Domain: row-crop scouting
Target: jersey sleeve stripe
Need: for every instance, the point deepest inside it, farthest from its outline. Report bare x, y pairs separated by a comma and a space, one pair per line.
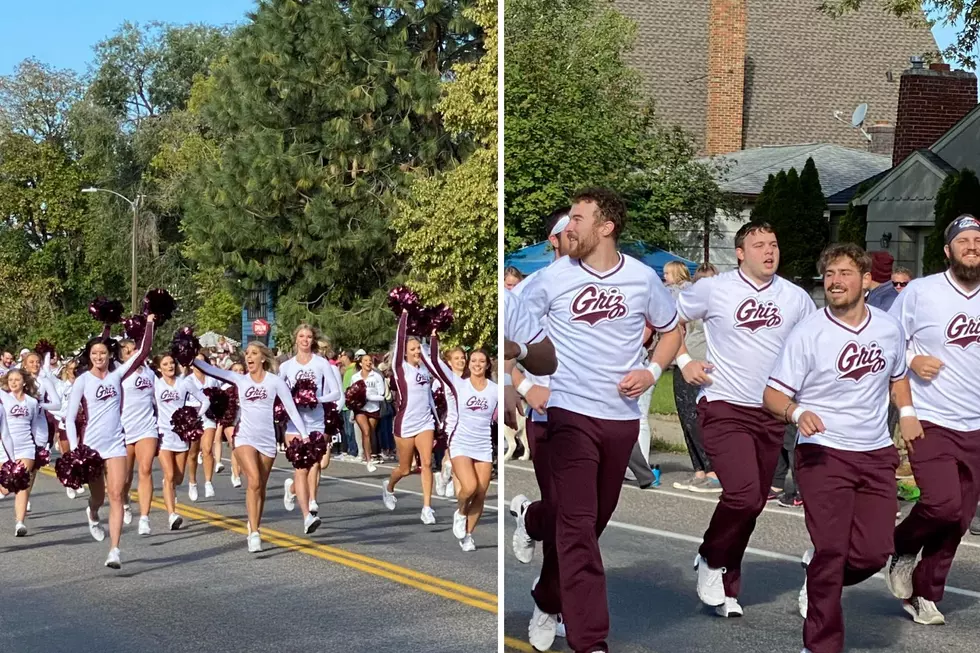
784, 385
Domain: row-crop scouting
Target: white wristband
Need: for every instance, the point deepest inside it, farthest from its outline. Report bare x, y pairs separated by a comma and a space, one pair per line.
907, 411
909, 355
656, 370
797, 414
525, 385
682, 361
523, 353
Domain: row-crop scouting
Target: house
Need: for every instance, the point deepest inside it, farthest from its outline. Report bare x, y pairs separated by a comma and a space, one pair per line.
937, 133
745, 172
750, 73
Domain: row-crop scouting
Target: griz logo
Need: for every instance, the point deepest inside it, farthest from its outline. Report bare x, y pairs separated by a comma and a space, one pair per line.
963, 331
256, 393
169, 395
477, 403
594, 305
143, 383
857, 361
752, 315
20, 411
421, 379
105, 392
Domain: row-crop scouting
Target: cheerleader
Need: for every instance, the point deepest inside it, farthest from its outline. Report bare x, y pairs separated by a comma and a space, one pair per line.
170, 393
64, 384
255, 444
201, 451
414, 426
23, 422
456, 358
472, 403
367, 417
100, 388
228, 431
139, 425
306, 364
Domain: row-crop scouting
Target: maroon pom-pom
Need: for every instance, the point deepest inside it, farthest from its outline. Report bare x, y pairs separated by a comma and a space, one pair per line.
403, 298
440, 318
418, 323
69, 471
231, 412
43, 348
219, 404
318, 445
42, 457
439, 398
356, 395
185, 346
159, 303
14, 476
187, 424
304, 393
106, 311
135, 327
90, 461
332, 421
279, 412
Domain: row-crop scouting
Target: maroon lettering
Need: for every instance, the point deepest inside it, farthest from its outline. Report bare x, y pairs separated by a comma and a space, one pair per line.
306, 374
857, 361
963, 331
143, 383
169, 395
421, 379
752, 315
594, 305
105, 392
256, 393
19, 411
477, 403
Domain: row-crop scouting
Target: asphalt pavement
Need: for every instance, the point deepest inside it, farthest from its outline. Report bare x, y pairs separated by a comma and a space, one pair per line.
648, 550
367, 580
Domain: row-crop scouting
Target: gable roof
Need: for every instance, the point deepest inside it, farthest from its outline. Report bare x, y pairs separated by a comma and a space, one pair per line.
920, 159
840, 168
793, 51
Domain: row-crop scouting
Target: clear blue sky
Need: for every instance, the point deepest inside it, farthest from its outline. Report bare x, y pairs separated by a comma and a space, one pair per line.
62, 32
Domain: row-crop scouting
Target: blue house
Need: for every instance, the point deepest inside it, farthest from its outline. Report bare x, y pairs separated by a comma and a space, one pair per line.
259, 304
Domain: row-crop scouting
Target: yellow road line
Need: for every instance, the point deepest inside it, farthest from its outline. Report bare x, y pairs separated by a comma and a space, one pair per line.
510, 642
402, 575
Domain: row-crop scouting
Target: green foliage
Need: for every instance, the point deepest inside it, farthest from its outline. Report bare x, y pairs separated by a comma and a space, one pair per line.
575, 117
853, 226
35, 100
794, 205
959, 194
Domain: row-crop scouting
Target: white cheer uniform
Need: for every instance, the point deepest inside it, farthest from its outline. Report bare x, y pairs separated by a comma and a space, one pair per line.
22, 423
327, 389
414, 385
168, 399
375, 390
194, 402
138, 417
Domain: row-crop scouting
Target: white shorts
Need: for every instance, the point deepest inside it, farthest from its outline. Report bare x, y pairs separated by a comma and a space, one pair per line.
265, 445
146, 435
413, 425
172, 442
108, 447
21, 453
477, 450
208, 423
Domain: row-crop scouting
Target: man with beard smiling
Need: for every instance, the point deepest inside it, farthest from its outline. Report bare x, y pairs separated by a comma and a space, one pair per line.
839, 365
941, 317
596, 302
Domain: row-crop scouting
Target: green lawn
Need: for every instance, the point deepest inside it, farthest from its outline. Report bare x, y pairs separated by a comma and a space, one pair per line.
663, 396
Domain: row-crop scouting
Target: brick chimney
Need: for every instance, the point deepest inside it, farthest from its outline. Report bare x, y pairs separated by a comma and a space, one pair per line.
726, 76
930, 101
882, 135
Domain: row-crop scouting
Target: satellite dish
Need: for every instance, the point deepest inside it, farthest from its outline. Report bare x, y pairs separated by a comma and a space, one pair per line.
857, 119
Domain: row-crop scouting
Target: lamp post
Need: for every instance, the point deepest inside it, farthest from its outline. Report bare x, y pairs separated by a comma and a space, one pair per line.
134, 204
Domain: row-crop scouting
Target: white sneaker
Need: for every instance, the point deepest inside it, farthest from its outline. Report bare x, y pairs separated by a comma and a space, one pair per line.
467, 544
428, 515
80, 491
924, 611
113, 562
440, 484
311, 523
389, 498
450, 490
371, 467
254, 542
219, 467
459, 525
711, 588
542, 629
200, 458
175, 521
20, 530
804, 600
94, 527
288, 496
192, 491
314, 506
236, 481
28, 507
521, 543
898, 576
730, 608
209, 490
127, 514
144, 526
70, 492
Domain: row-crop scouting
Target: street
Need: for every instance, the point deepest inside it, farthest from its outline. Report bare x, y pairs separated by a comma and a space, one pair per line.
367, 580
648, 550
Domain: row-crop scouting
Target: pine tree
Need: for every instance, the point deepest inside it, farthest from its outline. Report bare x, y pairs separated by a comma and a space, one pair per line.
959, 194
853, 225
321, 111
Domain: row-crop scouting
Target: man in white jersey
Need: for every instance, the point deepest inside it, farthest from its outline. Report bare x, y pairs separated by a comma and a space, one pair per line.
747, 314
525, 339
597, 302
839, 364
941, 317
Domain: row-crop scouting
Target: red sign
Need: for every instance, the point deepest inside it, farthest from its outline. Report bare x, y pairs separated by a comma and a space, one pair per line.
260, 327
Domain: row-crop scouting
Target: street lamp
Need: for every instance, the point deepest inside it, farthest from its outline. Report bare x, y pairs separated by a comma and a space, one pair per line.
134, 204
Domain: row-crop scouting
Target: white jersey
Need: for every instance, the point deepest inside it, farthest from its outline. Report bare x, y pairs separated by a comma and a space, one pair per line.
940, 319
21, 429
168, 399
138, 413
519, 325
544, 381
256, 401
200, 385
745, 327
843, 374
596, 321
376, 389
414, 386
327, 390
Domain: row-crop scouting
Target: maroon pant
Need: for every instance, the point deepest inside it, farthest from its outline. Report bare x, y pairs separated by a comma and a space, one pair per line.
946, 465
850, 519
743, 445
582, 476
537, 440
